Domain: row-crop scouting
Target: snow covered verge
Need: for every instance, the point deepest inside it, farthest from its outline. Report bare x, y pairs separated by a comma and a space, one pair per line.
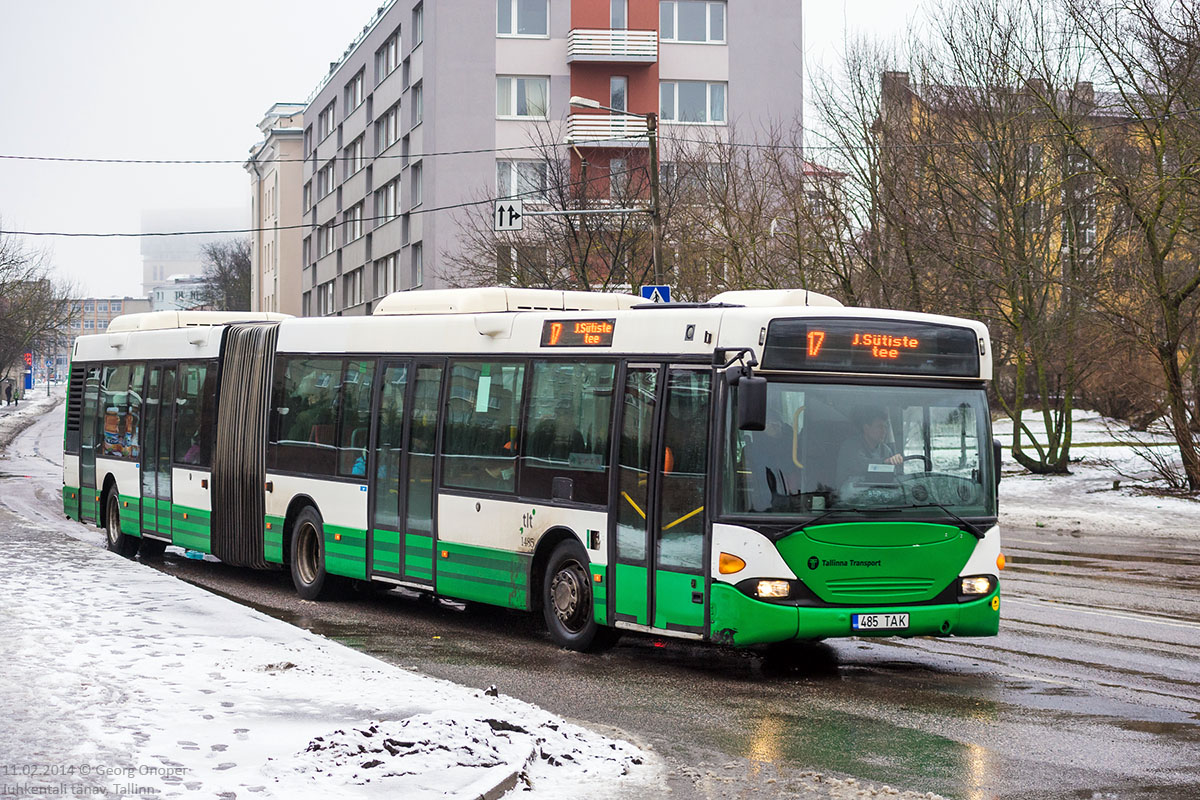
15, 418
124, 680
1087, 499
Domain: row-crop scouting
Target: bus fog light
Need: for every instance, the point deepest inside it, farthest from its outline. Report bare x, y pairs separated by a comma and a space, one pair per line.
979, 584
774, 589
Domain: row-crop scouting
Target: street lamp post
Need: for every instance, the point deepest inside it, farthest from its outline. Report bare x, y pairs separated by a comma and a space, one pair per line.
655, 207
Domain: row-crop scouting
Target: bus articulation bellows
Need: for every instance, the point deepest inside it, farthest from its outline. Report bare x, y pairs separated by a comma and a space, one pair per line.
765, 467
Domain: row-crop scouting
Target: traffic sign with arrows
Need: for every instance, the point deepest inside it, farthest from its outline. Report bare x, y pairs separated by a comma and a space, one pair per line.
509, 216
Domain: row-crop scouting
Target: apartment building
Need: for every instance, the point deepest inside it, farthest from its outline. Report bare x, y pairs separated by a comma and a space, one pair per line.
436, 105
276, 177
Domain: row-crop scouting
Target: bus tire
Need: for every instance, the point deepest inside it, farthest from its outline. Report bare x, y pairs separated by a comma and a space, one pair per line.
151, 548
567, 600
308, 556
120, 543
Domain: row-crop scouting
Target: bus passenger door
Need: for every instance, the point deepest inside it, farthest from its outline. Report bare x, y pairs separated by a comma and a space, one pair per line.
387, 545
679, 526
156, 451
629, 578
88, 444
419, 486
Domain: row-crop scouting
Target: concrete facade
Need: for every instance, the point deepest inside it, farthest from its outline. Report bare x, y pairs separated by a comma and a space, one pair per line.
382, 218
276, 179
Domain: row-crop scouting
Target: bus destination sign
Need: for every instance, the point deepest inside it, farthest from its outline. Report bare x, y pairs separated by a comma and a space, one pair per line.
868, 345
578, 333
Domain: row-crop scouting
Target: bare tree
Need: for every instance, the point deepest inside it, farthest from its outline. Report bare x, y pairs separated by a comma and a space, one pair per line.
226, 275
35, 307
1147, 52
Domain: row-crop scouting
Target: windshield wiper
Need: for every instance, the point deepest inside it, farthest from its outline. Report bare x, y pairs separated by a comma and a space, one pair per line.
970, 527
974, 531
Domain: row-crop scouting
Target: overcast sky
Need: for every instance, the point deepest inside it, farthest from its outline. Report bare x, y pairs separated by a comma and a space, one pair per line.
156, 79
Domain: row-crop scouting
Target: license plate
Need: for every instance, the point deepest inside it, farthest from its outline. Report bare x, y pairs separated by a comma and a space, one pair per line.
878, 622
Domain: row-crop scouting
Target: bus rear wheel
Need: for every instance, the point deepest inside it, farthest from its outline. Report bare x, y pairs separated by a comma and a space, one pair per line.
120, 543
308, 556
567, 601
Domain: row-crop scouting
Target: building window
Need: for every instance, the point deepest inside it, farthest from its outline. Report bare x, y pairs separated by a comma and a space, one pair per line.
354, 223
354, 92
406, 74
325, 121
306, 250
417, 100
618, 178
307, 194
89, 306
385, 275
417, 191
325, 299
102, 305
418, 24
89, 324
618, 91
521, 97
692, 21
404, 229
387, 129
116, 306
306, 304
418, 266
692, 101
326, 243
522, 18
385, 200
326, 179
526, 179
387, 58
618, 15
355, 157
352, 289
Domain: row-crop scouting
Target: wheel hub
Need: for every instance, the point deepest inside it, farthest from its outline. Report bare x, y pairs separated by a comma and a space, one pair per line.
566, 592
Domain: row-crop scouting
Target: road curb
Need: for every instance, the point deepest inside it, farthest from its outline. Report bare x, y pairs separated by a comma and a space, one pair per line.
505, 784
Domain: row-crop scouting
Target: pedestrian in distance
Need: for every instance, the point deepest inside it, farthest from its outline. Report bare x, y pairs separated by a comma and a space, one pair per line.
8, 395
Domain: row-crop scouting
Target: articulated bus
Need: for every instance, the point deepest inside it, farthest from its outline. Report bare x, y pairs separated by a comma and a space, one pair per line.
766, 467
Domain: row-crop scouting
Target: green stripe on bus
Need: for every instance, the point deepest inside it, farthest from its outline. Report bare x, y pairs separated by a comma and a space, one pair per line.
346, 555
273, 539
192, 541
599, 594
499, 577
70, 498
631, 592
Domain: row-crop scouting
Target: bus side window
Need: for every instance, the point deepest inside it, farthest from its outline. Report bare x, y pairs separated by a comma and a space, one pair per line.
483, 425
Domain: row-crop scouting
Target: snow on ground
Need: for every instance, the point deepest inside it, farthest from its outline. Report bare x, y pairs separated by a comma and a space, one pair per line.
122, 677
1086, 500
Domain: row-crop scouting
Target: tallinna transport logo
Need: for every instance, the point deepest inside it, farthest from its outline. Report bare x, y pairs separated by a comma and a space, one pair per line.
813, 562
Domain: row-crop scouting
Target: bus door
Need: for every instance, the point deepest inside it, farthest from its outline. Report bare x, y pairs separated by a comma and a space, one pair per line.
387, 547
402, 477
658, 576
89, 442
157, 432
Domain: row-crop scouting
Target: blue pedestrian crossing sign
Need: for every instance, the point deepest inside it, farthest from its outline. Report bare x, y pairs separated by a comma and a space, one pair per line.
657, 294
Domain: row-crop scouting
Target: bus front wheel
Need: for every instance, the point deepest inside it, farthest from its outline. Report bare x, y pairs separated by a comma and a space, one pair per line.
567, 601
308, 556
118, 542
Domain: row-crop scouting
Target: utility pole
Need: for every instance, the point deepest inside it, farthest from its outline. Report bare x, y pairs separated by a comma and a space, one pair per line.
655, 208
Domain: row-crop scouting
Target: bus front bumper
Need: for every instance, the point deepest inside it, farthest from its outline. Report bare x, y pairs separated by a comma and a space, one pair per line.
741, 620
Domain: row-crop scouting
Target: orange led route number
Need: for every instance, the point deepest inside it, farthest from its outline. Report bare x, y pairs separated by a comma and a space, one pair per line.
881, 345
578, 333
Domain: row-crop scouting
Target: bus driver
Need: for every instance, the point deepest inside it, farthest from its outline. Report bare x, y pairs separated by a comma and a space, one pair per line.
862, 455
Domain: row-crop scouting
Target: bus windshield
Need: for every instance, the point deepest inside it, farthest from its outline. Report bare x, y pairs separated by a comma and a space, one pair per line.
906, 450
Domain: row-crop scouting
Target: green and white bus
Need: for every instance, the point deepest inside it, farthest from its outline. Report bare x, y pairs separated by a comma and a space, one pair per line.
765, 467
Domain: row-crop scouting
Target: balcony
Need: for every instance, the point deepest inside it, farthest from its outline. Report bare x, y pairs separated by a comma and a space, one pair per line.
602, 44
606, 130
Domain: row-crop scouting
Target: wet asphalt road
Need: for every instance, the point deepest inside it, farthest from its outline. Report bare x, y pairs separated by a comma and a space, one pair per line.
1092, 689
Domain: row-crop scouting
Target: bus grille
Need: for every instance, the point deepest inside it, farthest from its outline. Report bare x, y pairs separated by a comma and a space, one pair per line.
857, 588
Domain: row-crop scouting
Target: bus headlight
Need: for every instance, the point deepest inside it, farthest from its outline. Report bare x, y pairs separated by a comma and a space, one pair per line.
774, 590
976, 586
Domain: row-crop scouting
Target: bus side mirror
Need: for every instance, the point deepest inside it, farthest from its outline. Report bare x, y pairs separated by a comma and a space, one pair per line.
996, 459
752, 403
